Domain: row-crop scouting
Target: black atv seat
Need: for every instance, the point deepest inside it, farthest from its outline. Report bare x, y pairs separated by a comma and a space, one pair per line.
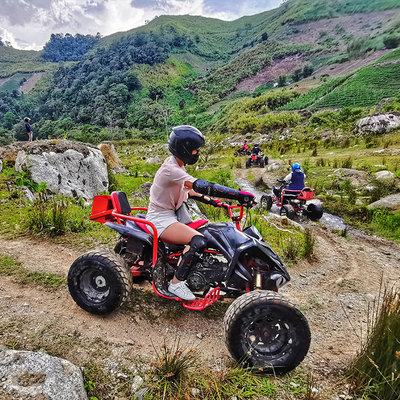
291, 194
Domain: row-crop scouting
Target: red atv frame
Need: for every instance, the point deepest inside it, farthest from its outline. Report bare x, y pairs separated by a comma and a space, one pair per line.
108, 209
293, 203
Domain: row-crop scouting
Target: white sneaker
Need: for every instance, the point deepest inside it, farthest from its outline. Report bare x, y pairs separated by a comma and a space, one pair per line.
181, 290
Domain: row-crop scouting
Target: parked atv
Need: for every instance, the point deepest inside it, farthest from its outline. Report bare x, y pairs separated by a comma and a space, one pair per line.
257, 160
293, 203
263, 330
241, 151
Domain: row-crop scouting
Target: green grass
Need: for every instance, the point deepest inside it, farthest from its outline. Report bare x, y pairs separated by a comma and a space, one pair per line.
13, 83
375, 370
10, 267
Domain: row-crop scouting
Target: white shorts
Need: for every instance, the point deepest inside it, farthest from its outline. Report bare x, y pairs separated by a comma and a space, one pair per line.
163, 219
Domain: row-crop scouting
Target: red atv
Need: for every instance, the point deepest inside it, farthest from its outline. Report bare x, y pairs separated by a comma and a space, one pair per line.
262, 328
293, 203
257, 160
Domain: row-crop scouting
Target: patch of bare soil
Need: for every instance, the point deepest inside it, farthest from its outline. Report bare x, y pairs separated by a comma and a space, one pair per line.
29, 84
333, 290
270, 73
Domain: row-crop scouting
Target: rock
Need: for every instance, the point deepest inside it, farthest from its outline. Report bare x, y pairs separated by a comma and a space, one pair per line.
71, 169
385, 176
26, 374
391, 202
378, 123
194, 210
142, 192
137, 382
339, 281
153, 160
110, 154
196, 393
27, 193
357, 178
119, 171
273, 167
199, 335
359, 202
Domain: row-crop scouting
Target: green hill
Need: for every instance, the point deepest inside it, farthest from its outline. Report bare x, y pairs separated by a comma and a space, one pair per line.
185, 69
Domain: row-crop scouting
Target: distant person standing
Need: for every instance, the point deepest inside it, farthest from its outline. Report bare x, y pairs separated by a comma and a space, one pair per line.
28, 128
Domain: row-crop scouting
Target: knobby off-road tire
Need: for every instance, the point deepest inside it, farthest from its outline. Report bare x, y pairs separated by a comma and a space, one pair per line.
99, 281
248, 163
314, 211
266, 201
262, 164
266, 332
287, 211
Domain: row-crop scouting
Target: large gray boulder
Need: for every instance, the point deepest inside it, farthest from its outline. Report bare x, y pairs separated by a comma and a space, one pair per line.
391, 202
378, 123
356, 177
69, 168
385, 176
28, 375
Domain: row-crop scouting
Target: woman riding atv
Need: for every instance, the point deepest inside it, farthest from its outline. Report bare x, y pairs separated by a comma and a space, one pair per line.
170, 189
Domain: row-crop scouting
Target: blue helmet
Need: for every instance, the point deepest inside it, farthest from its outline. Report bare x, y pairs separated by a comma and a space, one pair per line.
255, 144
296, 166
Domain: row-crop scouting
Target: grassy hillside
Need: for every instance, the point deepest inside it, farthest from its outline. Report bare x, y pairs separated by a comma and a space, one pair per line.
215, 39
224, 79
13, 61
365, 87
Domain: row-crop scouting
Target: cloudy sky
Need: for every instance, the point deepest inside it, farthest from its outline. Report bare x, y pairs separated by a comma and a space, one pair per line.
27, 24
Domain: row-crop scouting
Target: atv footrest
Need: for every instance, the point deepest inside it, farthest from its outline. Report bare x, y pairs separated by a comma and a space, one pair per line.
201, 304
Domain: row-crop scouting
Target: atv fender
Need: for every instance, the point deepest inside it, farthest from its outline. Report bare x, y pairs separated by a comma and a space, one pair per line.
132, 230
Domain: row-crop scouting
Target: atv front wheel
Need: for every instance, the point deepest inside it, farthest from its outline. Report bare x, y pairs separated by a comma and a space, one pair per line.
266, 332
99, 282
248, 163
262, 165
287, 211
266, 201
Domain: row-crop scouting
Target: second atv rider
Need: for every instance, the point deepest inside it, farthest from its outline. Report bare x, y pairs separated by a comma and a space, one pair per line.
294, 180
170, 189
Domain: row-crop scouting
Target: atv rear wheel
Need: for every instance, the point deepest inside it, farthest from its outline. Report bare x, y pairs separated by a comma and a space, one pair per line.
314, 211
99, 282
287, 211
266, 201
266, 332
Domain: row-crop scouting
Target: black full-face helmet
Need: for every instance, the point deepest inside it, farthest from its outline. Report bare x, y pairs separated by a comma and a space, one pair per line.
183, 140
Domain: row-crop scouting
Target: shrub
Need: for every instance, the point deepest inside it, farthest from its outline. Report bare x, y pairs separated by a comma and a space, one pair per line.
347, 163
391, 41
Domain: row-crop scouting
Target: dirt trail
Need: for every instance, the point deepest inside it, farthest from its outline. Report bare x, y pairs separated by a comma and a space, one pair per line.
333, 291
